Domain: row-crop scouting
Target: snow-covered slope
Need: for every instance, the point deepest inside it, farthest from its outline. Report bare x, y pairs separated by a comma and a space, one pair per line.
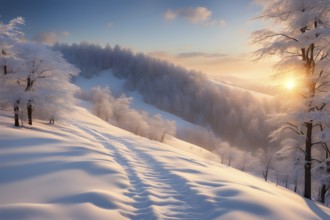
107, 79
88, 169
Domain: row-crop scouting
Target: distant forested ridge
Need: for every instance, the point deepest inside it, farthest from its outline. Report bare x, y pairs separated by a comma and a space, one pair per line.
235, 115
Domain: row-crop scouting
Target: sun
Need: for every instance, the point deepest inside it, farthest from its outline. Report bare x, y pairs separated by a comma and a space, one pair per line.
290, 84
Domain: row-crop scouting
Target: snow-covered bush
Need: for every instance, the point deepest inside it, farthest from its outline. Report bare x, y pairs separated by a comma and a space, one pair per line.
118, 112
200, 136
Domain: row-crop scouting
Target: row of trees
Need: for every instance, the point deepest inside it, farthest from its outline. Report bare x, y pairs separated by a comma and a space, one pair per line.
33, 76
118, 112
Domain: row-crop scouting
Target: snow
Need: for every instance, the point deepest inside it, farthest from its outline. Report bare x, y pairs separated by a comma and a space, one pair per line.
107, 79
88, 169
85, 168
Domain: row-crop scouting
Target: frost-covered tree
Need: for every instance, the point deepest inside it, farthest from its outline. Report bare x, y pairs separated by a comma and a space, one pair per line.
9, 37
33, 75
119, 112
266, 159
162, 126
322, 171
300, 37
200, 136
102, 102
289, 161
43, 80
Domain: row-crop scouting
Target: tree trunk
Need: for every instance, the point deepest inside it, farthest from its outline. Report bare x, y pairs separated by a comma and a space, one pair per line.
277, 178
29, 112
5, 66
295, 186
163, 137
16, 112
266, 171
323, 191
29, 84
265, 174
286, 181
308, 161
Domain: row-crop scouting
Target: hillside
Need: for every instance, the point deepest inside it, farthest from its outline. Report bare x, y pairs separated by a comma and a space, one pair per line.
88, 169
117, 87
187, 94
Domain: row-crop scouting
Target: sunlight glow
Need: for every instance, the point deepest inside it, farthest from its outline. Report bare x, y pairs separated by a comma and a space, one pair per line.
290, 84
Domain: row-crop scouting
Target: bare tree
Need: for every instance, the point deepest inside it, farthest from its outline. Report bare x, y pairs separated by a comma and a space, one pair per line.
266, 157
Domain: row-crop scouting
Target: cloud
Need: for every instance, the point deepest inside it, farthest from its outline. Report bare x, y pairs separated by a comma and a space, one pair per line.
198, 15
189, 56
214, 65
194, 15
260, 2
170, 15
109, 24
50, 38
220, 22
200, 54
159, 54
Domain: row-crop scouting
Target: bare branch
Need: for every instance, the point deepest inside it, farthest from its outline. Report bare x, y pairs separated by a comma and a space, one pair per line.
319, 161
319, 142
43, 71
283, 35
322, 106
324, 56
295, 131
276, 35
299, 148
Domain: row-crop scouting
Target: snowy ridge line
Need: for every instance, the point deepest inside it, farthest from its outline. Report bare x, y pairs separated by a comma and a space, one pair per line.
156, 192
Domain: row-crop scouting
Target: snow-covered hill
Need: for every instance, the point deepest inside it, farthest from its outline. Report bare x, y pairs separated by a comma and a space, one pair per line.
185, 93
88, 169
117, 87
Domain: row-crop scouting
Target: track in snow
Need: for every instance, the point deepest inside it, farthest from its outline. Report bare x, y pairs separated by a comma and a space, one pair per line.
156, 193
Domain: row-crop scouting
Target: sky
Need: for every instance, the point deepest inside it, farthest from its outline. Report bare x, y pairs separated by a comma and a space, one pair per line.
211, 36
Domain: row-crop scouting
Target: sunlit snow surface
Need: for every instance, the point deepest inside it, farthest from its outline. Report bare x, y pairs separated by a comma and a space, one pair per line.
88, 169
